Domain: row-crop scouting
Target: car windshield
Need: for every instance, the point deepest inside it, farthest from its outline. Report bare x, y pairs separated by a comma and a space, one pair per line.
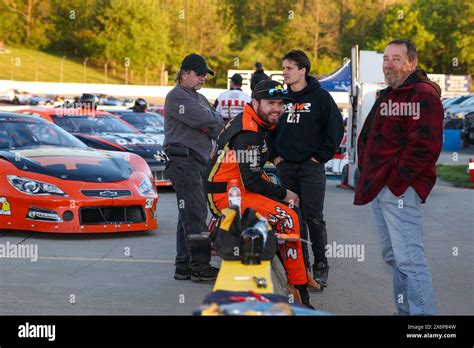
149, 122
16, 132
469, 101
92, 124
456, 101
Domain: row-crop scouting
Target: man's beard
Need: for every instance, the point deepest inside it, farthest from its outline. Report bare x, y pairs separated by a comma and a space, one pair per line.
392, 79
265, 117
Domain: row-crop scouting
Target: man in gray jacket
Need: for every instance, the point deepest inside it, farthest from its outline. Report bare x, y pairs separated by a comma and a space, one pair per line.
191, 123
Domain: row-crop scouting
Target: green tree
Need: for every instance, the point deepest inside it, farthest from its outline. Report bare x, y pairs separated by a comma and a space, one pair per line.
25, 22
314, 29
400, 22
259, 34
357, 20
74, 27
131, 36
204, 27
452, 24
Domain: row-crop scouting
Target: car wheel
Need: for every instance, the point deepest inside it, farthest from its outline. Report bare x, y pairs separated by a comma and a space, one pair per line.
345, 175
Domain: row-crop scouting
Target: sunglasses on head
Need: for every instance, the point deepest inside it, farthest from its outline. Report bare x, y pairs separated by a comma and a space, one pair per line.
277, 91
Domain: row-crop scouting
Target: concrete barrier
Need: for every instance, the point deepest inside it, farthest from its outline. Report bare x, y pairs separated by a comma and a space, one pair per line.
96, 88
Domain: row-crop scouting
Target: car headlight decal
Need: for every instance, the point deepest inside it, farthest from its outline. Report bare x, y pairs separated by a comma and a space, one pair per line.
34, 187
146, 187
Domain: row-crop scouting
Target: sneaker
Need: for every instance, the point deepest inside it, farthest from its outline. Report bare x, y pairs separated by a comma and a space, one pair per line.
304, 295
182, 273
320, 273
313, 285
205, 274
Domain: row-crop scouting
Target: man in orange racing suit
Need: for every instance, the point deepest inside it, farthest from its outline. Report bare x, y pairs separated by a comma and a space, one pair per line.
241, 154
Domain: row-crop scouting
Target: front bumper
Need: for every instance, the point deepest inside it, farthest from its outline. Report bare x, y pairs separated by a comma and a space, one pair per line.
159, 176
125, 214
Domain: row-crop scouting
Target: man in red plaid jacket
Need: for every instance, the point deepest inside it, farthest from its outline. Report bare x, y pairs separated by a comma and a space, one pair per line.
398, 147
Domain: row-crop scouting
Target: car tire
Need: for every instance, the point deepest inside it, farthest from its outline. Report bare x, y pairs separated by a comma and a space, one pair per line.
345, 175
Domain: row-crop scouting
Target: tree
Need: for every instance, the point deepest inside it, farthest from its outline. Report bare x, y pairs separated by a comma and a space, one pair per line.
359, 21
314, 29
29, 22
74, 27
133, 37
400, 22
452, 24
200, 26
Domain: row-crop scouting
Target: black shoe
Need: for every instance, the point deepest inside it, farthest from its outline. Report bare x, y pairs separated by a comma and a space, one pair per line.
204, 274
320, 273
182, 273
304, 294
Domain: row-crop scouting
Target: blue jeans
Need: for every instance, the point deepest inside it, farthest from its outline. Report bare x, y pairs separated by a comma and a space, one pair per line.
399, 224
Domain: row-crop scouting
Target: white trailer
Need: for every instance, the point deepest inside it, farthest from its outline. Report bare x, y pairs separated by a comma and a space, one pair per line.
367, 80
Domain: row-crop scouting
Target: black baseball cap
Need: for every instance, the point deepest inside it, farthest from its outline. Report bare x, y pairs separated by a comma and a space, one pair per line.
196, 63
237, 79
270, 90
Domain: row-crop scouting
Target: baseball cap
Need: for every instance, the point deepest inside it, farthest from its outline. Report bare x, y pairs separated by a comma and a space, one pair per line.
237, 79
270, 90
196, 63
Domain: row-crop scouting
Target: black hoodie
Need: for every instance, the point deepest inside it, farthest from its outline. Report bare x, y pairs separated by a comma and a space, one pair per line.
311, 126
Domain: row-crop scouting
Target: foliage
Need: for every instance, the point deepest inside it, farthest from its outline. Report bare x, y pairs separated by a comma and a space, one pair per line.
457, 174
152, 35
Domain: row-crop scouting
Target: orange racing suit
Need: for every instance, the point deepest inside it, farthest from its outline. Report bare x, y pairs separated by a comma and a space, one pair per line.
241, 154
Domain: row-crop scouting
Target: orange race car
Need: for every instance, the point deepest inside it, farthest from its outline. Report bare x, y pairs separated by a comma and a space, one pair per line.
52, 182
102, 130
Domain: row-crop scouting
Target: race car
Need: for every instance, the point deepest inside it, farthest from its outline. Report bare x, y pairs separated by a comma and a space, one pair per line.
52, 182
145, 122
335, 165
102, 130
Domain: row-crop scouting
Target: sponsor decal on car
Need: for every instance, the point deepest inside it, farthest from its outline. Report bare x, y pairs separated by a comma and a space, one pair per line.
161, 156
136, 141
5, 208
149, 203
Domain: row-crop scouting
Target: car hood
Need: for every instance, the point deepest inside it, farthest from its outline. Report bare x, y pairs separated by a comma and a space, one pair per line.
149, 147
76, 164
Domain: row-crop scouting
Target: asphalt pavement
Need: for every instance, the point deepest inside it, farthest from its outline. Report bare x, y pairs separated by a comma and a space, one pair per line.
132, 273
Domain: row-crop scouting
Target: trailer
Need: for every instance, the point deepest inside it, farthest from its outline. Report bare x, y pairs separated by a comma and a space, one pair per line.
367, 80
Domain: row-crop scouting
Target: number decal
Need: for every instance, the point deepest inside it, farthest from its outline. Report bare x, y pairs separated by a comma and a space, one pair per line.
293, 118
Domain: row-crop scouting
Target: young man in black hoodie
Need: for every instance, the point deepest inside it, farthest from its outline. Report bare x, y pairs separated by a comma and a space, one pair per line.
307, 136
